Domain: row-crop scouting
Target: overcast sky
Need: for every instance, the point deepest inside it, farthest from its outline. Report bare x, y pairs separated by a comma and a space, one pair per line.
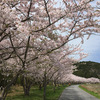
90, 46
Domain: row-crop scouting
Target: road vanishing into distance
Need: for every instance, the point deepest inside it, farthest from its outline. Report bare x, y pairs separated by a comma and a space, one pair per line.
75, 93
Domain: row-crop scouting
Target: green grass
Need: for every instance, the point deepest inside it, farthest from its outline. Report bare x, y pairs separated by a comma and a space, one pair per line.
36, 94
90, 92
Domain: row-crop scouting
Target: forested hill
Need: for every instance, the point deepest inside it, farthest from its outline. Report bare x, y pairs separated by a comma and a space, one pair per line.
87, 69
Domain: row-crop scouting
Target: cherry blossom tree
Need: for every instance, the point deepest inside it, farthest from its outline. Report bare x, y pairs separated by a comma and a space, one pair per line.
76, 79
56, 65
34, 28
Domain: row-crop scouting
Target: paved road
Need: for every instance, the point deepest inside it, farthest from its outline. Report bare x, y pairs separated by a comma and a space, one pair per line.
75, 93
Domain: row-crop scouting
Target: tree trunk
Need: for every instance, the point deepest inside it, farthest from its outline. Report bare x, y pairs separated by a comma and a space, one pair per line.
26, 91
45, 85
54, 88
8, 86
26, 83
40, 86
3, 97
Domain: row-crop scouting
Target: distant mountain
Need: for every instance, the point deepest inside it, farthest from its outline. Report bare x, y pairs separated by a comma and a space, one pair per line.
87, 69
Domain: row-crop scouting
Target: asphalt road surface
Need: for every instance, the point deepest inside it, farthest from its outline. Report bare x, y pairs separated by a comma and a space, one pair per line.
75, 93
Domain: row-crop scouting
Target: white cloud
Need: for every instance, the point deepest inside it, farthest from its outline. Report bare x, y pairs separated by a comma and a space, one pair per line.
90, 46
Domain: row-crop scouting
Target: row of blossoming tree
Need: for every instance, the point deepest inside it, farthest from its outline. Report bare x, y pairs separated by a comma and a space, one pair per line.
34, 37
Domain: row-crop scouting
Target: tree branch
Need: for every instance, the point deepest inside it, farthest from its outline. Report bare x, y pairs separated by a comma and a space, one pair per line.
45, 3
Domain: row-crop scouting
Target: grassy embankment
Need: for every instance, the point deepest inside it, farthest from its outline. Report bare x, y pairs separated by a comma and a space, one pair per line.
16, 93
93, 89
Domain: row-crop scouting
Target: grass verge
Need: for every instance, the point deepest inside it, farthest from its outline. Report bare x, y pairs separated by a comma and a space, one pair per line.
90, 92
35, 94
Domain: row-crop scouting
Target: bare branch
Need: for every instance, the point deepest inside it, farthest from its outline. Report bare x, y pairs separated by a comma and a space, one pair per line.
50, 24
27, 46
47, 11
29, 8
14, 48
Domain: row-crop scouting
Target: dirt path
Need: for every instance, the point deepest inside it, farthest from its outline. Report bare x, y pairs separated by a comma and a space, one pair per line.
75, 93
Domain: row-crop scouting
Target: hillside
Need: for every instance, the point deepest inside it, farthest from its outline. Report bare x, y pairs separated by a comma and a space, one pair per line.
87, 69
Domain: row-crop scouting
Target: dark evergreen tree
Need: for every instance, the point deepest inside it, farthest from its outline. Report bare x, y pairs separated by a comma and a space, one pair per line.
87, 69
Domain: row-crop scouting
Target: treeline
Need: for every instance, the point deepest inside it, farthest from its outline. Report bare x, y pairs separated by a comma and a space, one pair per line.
87, 69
